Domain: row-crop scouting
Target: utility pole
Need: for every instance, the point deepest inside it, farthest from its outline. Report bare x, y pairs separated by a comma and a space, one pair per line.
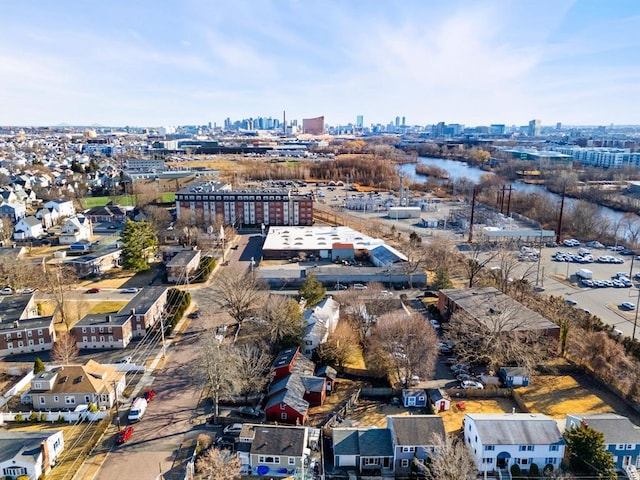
509, 201
473, 209
635, 319
559, 232
115, 391
539, 258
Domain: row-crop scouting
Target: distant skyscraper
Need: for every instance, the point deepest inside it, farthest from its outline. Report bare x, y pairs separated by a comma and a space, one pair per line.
534, 128
397, 122
558, 126
314, 126
404, 121
360, 121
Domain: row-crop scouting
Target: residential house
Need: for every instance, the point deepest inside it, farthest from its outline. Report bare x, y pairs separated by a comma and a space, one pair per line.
13, 211
68, 386
273, 450
8, 195
497, 441
27, 228
490, 309
514, 376
368, 450
108, 214
75, 229
183, 266
414, 437
112, 330
21, 330
321, 320
414, 397
48, 217
29, 454
439, 401
284, 362
146, 309
621, 437
330, 375
62, 206
96, 263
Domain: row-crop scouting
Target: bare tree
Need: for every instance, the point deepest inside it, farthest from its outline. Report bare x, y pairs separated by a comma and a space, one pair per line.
217, 369
253, 368
451, 460
631, 223
59, 283
65, 349
238, 292
145, 193
284, 322
341, 347
215, 464
501, 337
476, 260
6, 229
410, 341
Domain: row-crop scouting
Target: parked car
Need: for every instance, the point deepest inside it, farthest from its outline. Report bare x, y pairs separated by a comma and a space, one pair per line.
149, 395
93, 290
359, 286
126, 359
538, 288
435, 324
571, 302
24, 291
6, 291
472, 384
248, 411
571, 242
129, 290
233, 429
195, 314
339, 286
628, 305
124, 435
618, 332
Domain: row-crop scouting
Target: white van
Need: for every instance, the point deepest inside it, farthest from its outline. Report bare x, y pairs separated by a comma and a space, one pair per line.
137, 410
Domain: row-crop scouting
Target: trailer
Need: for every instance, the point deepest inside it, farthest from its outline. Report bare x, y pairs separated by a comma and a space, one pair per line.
584, 274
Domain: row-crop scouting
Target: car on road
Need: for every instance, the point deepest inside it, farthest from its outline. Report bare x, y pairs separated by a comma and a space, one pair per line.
149, 395
538, 288
129, 290
233, 429
124, 435
248, 411
24, 291
339, 286
618, 332
435, 324
569, 301
195, 314
93, 290
628, 306
126, 359
359, 286
6, 291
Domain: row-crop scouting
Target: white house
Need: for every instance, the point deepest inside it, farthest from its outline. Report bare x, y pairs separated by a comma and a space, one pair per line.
29, 453
28, 227
75, 229
47, 217
63, 206
497, 441
321, 320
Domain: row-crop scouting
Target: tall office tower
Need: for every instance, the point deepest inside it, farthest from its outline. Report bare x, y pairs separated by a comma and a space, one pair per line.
360, 121
404, 122
534, 128
559, 126
397, 122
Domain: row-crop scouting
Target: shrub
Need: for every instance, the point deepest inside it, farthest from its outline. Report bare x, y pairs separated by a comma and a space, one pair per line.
515, 470
207, 264
179, 301
534, 470
43, 417
34, 417
19, 417
93, 408
547, 470
60, 418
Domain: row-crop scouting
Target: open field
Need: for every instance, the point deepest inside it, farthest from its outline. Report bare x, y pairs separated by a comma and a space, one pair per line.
90, 202
108, 306
558, 395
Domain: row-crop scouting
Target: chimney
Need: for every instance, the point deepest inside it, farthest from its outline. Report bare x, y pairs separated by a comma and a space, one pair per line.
16, 324
133, 311
108, 318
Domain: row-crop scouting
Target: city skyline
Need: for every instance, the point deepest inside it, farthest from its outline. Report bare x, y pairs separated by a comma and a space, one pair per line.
475, 63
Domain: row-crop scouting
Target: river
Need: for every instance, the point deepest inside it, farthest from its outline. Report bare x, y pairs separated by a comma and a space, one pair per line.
461, 169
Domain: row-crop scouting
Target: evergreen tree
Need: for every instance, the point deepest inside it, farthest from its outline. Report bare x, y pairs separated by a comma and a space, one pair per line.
442, 279
137, 238
588, 454
38, 366
312, 290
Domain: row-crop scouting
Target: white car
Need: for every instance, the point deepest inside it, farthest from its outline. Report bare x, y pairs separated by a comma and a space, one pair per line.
232, 429
359, 286
435, 324
130, 290
628, 305
24, 291
6, 291
472, 384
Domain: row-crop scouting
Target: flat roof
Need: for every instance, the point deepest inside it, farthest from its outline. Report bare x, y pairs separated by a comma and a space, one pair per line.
183, 258
12, 306
26, 324
143, 300
317, 238
115, 319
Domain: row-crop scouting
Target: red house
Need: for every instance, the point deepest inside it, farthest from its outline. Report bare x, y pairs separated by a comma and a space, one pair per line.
284, 362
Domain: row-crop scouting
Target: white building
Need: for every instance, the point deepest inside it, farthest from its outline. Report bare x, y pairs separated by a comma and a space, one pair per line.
29, 453
62, 206
321, 321
76, 229
497, 441
28, 227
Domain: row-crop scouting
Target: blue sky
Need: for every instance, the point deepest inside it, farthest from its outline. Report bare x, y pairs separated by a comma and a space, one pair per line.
166, 62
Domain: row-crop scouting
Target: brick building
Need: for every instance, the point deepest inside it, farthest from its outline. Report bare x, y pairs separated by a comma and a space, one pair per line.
205, 203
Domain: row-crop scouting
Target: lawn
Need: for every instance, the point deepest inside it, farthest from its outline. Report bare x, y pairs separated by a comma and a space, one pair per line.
108, 306
453, 417
558, 395
167, 197
125, 200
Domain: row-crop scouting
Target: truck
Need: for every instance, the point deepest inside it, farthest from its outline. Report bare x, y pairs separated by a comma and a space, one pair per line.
137, 410
584, 274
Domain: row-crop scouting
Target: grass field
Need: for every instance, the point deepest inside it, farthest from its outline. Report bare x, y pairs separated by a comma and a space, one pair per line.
107, 306
558, 395
125, 200
167, 197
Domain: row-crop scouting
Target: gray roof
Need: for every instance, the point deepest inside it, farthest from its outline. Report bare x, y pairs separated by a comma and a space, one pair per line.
516, 429
272, 440
23, 444
12, 307
436, 394
515, 371
144, 300
293, 399
615, 428
31, 221
414, 392
313, 384
488, 305
416, 430
103, 319
370, 442
26, 324
183, 258
327, 372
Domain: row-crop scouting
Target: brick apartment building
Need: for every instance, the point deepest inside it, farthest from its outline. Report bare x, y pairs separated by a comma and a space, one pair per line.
21, 330
102, 331
145, 308
205, 203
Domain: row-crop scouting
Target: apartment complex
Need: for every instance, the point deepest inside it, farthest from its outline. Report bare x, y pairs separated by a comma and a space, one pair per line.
205, 203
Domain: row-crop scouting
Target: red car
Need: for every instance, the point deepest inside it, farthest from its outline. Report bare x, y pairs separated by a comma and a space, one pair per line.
93, 290
148, 395
124, 434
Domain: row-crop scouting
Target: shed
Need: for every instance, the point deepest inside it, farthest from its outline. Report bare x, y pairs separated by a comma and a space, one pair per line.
414, 397
438, 400
514, 376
